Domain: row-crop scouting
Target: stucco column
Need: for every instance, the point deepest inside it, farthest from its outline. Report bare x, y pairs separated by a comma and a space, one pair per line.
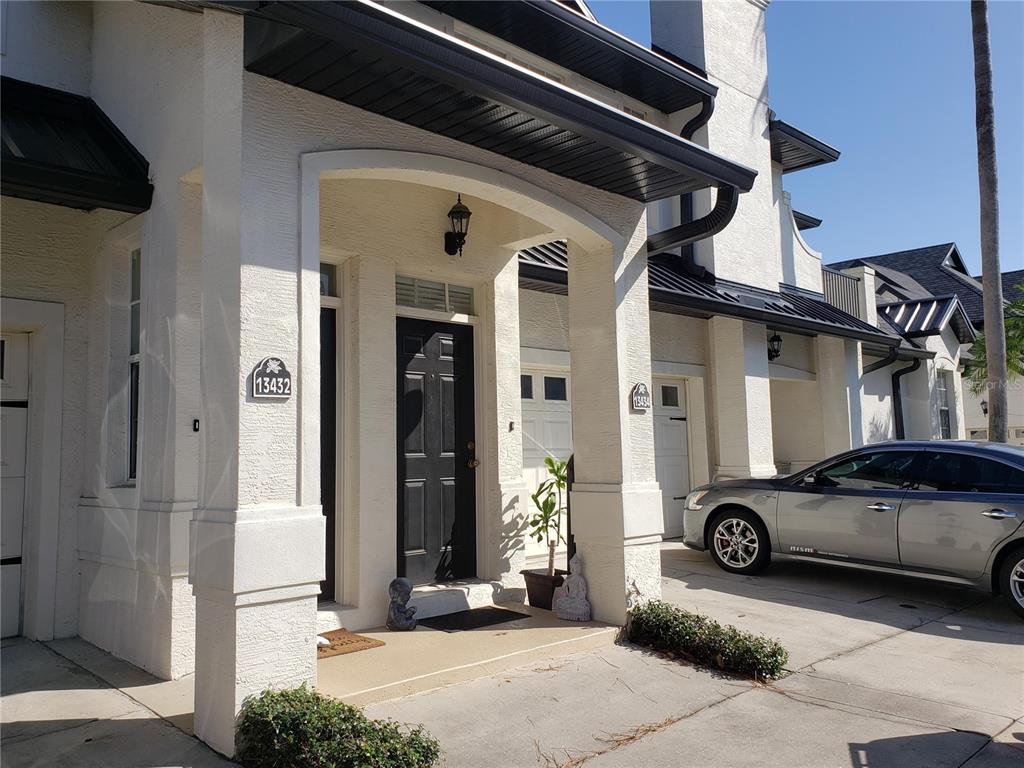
839, 374
508, 502
741, 398
616, 503
257, 535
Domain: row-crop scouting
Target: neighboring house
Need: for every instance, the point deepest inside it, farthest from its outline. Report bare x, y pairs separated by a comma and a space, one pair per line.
975, 405
252, 371
927, 296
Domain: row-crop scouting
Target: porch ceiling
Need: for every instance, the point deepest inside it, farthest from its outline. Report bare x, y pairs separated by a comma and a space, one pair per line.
369, 56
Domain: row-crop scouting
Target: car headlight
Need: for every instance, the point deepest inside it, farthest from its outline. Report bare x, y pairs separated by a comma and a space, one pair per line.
693, 500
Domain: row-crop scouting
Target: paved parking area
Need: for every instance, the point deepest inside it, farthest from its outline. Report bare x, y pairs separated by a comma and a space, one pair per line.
883, 672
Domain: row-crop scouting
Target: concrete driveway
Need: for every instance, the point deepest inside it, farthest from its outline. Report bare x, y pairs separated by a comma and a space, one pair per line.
883, 672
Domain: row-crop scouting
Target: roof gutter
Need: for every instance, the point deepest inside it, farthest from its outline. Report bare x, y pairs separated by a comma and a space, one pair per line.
694, 230
897, 398
890, 357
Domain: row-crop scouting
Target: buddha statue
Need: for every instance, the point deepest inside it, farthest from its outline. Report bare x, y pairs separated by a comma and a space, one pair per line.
570, 600
400, 616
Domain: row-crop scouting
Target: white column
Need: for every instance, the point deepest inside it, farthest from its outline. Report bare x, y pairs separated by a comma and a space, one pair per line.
741, 398
616, 503
257, 535
507, 499
839, 374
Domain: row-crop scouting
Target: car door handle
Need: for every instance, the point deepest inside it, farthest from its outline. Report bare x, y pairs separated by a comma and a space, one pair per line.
880, 506
999, 514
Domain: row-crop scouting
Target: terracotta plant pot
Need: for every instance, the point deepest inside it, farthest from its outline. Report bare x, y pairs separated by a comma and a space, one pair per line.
540, 587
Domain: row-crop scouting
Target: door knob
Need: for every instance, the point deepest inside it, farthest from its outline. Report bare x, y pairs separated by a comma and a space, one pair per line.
473, 463
999, 514
879, 506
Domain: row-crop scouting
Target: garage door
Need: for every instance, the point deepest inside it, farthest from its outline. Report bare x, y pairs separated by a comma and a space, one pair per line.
671, 447
547, 430
13, 431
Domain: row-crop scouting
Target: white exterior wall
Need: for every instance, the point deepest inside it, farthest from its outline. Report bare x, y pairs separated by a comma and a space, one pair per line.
975, 419
876, 403
801, 264
48, 43
728, 40
49, 254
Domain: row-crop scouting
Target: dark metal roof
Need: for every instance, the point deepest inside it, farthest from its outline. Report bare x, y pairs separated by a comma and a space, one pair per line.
376, 59
805, 221
550, 30
546, 268
929, 317
796, 150
60, 148
939, 269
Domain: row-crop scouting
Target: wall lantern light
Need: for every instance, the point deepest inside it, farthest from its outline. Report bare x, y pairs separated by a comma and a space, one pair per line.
456, 238
984, 407
774, 346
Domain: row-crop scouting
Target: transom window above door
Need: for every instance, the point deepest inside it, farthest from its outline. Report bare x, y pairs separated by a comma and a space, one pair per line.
428, 294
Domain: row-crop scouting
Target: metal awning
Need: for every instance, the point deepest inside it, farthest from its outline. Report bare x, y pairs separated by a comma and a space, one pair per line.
796, 150
60, 148
929, 317
368, 55
558, 34
805, 221
546, 268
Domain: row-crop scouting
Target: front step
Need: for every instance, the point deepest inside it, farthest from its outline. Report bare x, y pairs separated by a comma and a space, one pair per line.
454, 596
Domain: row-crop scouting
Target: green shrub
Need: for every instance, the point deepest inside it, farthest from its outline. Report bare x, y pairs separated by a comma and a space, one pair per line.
667, 628
299, 728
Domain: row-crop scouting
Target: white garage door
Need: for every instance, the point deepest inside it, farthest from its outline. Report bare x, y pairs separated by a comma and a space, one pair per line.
547, 430
13, 431
671, 450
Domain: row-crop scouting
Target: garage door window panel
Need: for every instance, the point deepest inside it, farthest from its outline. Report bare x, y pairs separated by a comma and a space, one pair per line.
555, 388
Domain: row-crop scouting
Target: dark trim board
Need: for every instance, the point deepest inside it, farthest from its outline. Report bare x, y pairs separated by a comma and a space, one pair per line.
329, 442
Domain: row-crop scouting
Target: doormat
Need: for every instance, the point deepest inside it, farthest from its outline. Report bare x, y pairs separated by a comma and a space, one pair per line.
472, 619
343, 641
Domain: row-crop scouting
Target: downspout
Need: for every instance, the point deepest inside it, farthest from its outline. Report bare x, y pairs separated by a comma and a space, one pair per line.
685, 235
890, 357
897, 398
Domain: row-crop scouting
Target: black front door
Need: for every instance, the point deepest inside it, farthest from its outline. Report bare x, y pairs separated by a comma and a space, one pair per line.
436, 452
328, 437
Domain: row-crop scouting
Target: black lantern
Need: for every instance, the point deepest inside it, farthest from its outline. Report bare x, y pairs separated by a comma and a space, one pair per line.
774, 346
984, 407
456, 238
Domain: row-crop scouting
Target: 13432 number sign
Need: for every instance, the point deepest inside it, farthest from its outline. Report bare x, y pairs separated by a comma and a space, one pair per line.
271, 380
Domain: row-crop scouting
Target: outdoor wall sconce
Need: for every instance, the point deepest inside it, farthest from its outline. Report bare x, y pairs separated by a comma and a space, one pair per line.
984, 407
456, 238
774, 346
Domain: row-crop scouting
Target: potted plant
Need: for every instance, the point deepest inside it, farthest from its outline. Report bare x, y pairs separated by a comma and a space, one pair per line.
546, 523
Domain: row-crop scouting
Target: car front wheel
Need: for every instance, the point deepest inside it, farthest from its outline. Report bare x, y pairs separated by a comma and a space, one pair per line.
739, 542
1011, 581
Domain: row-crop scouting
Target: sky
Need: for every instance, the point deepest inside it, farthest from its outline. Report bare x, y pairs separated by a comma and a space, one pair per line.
891, 85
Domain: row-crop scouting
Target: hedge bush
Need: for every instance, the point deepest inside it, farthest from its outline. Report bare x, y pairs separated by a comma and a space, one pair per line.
299, 728
667, 628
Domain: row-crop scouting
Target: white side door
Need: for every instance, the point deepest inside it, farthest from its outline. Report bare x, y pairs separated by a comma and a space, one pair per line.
671, 451
13, 432
547, 431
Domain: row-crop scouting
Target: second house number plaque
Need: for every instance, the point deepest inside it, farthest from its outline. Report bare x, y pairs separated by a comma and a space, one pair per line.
271, 380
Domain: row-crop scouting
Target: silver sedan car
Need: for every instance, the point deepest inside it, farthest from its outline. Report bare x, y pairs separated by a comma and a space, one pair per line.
947, 510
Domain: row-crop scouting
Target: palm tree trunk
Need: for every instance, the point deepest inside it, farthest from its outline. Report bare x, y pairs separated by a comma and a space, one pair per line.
988, 189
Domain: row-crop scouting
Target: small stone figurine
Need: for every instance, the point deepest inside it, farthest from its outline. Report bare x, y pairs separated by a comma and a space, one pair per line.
570, 599
400, 616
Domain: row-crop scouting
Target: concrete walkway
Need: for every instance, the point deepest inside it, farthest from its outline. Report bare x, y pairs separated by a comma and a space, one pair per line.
883, 672
56, 713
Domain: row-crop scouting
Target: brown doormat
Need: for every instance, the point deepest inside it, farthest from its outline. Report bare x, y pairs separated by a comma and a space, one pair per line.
343, 641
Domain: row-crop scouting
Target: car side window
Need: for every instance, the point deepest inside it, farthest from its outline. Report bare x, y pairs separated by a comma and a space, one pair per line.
965, 473
867, 471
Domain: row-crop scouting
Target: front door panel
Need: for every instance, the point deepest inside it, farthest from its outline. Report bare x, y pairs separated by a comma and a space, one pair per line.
436, 451
671, 452
13, 433
328, 441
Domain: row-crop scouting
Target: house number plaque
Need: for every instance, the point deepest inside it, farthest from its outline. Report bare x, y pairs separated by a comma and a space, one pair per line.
271, 380
641, 397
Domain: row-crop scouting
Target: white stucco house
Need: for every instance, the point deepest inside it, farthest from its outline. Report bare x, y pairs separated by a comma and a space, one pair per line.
245, 384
